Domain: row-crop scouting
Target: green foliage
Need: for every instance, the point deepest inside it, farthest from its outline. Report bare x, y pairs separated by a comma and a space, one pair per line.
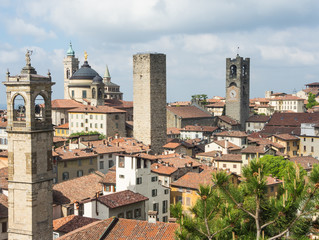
201, 98
276, 165
86, 133
311, 101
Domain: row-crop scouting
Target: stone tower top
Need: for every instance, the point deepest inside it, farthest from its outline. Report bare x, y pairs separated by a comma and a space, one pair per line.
70, 51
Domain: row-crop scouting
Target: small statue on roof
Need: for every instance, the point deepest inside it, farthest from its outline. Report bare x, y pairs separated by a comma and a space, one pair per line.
27, 57
85, 56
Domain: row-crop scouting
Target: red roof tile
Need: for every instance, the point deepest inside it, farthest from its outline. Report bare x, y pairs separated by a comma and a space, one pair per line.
231, 134
97, 109
229, 158
189, 112
286, 137
199, 128
63, 126
162, 169
258, 118
228, 120
65, 103
71, 222
306, 162
124, 229
120, 199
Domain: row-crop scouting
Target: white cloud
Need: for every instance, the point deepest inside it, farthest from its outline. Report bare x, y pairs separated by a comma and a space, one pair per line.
19, 27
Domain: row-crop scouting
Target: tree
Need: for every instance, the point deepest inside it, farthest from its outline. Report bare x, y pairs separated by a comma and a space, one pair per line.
276, 165
210, 218
201, 98
311, 101
272, 217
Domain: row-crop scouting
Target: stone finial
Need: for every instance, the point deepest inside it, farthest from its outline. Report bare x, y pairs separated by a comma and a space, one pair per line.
49, 73
27, 57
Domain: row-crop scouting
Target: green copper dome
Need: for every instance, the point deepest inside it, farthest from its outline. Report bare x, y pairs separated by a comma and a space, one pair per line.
70, 51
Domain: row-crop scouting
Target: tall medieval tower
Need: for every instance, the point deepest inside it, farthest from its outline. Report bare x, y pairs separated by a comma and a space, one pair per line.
149, 97
237, 89
30, 135
71, 65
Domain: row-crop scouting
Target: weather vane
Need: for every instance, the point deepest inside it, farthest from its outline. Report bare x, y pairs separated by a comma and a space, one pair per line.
27, 57
85, 56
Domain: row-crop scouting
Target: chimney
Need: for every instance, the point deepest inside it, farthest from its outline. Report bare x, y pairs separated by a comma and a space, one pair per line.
172, 220
226, 147
152, 216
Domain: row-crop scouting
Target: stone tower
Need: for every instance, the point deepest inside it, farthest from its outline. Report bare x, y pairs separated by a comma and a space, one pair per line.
149, 98
30, 135
237, 89
71, 65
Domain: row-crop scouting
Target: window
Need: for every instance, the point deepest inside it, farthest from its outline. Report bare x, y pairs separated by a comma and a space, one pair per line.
155, 207
145, 163
137, 213
304, 139
224, 165
101, 164
139, 180
180, 199
79, 173
91, 161
311, 139
129, 214
116, 117
272, 189
165, 219
65, 176
120, 215
312, 149
65, 164
288, 148
234, 166
91, 116
121, 162
121, 176
116, 125
95, 125
90, 125
107, 188
166, 191
91, 170
83, 93
294, 153
72, 93
154, 192
138, 162
79, 163
111, 163
164, 209
154, 179
188, 201
101, 126
101, 156
4, 227
304, 148
110, 155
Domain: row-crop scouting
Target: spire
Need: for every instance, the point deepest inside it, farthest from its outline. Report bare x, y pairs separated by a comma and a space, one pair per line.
70, 51
107, 76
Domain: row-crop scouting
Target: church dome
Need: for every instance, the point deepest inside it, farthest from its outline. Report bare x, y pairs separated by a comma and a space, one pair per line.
70, 51
85, 72
97, 79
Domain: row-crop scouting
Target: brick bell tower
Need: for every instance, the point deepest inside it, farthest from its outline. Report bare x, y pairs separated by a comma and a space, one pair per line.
30, 136
237, 89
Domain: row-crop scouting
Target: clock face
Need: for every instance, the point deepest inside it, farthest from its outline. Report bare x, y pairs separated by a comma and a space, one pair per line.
233, 93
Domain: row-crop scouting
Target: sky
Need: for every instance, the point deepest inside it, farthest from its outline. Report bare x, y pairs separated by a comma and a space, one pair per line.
279, 36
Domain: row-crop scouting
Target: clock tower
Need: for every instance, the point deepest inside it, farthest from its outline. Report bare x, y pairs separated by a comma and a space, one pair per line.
237, 89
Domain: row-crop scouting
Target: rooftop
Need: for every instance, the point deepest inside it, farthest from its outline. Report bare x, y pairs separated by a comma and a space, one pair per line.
162, 169
189, 112
239, 134
71, 222
124, 229
229, 158
97, 109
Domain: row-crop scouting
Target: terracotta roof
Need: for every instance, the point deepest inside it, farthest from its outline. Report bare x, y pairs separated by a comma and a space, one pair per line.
65, 103
285, 136
162, 169
194, 180
272, 181
209, 154
63, 126
77, 189
189, 112
270, 130
230, 146
231, 134
258, 118
254, 149
97, 109
180, 161
265, 141
286, 98
110, 176
199, 128
71, 222
120, 199
228, 120
72, 154
229, 158
3, 206
120, 104
306, 161
124, 229
292, 119
172, 145
216, 105
4, 153
3, 124
173, 130
4, 178
59, 139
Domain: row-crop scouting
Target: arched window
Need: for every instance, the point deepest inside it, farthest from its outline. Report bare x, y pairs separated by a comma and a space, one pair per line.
39, 108
232, 84
100, 93
19, 109
93, 92
233, 71
67, 73
65, 176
